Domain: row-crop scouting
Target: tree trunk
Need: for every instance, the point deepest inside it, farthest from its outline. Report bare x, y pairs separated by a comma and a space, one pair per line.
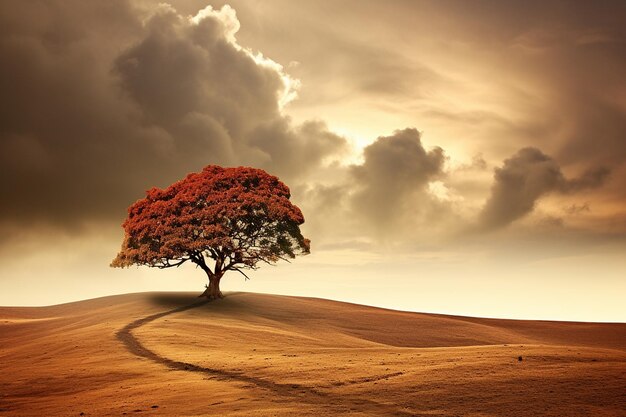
212, 291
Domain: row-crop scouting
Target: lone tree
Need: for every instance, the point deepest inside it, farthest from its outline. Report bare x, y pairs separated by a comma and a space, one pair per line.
221, 219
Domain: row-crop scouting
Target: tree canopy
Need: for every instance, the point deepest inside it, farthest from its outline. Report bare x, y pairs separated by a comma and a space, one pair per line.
221, 219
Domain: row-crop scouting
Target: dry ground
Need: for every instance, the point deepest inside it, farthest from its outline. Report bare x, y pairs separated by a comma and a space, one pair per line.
265, 355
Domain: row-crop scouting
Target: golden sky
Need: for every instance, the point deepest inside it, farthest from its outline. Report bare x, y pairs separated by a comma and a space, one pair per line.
454, 157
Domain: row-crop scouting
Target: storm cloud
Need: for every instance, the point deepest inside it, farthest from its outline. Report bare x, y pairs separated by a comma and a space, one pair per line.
102, 101
523, 179
395, 171
386, 200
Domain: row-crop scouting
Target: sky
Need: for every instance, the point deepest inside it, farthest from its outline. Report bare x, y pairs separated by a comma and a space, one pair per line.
449, 157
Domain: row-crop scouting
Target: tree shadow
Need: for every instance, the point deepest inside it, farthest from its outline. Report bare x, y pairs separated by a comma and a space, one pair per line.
174, 299
180, 299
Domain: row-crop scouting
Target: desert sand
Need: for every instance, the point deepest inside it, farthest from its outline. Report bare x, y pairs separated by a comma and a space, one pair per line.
168, 354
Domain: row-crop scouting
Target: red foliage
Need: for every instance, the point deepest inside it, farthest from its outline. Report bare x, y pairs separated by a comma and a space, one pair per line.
235, 216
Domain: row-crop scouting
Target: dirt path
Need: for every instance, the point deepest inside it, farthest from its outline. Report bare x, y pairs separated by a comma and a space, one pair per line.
287, 392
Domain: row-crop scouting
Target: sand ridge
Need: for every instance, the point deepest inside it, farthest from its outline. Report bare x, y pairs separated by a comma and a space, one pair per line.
295, 392
257, 354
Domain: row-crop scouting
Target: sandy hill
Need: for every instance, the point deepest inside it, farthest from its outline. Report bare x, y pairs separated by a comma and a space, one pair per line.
264, 355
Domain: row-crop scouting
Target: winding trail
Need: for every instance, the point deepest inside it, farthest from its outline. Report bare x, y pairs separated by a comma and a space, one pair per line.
288, 392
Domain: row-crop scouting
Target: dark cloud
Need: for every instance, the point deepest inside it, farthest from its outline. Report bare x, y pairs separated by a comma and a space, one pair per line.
592, 178
523, 179
293, 149
576, 209
584, 73
102, 101
385, 201
63, 133
484, 76
396, 170
181, 70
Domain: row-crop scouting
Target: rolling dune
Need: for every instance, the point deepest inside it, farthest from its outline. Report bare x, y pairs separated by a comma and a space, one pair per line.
170, 354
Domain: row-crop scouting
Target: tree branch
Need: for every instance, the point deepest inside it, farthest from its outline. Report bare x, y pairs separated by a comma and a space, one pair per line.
167, 263
242, 273
198, 259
